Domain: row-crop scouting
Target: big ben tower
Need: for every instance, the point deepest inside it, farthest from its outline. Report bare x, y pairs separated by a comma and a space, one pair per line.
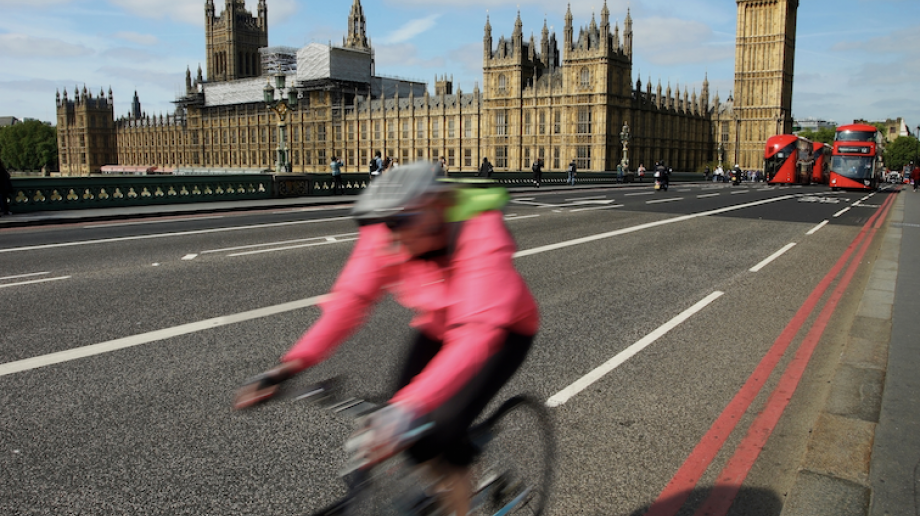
764, 66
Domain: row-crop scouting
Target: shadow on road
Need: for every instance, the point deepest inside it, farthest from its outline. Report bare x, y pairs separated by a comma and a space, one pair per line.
748, 502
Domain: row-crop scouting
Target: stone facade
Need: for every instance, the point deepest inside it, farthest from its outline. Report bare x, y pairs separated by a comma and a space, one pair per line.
537, 100
761, 106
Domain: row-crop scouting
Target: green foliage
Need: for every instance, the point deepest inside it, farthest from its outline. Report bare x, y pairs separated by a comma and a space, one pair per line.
823, 135
29, 146
901, 152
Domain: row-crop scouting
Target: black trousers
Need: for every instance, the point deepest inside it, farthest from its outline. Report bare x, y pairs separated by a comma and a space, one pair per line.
453, 419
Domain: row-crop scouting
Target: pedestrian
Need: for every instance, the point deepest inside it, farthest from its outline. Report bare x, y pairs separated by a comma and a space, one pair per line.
486, 169
719, 174
914, 176
573, 171
537, 168
6, 190
641, 172
336, 166
707, 173
376, 166
620, 173
443, 163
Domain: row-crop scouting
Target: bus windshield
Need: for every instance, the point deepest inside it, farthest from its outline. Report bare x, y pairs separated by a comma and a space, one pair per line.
855, 136
853, 167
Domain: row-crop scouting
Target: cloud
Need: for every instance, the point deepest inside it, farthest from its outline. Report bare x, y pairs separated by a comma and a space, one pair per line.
147, 40
670, 41
279, 11
32, 3
130, 55
411, 30
404, 56
21, 45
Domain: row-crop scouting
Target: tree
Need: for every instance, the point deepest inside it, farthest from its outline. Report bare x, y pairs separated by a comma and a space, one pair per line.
30, 145
823, 135
901, 152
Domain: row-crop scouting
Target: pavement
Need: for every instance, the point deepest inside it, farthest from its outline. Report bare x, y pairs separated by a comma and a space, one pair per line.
863, 456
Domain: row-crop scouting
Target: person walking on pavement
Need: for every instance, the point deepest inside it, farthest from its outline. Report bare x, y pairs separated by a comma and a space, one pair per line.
573, 171
537, 168
707, 174
336, 166
6, 190
376, 166
915, 177
641, 172
486, 169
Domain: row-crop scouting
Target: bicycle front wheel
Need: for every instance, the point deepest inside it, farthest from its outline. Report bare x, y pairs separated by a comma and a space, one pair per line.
513, 473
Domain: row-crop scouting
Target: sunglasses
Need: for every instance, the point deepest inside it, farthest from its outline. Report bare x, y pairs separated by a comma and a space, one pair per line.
401, 220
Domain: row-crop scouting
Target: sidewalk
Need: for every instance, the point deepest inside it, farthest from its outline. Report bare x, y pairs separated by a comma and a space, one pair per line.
863, 455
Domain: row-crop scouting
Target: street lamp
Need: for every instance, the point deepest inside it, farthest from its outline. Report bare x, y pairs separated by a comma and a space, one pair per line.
624, 139
281, 107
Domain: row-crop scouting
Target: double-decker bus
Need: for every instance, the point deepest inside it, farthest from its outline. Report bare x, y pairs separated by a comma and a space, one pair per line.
856, 162
822, 171
789, 159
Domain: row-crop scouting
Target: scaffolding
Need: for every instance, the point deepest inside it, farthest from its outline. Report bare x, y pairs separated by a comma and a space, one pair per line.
279, 60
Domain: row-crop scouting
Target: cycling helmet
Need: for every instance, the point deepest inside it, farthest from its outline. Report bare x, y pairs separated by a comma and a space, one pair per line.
398, 189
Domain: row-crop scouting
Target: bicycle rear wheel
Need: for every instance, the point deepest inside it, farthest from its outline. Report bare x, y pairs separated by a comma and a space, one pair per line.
513, 473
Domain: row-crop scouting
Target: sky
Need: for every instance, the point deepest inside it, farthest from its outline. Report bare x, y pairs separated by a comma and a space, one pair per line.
855, 59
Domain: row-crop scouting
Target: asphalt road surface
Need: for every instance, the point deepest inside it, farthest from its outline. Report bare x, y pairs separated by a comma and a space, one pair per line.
121, 345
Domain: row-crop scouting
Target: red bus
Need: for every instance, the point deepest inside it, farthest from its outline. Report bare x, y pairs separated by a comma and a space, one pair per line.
821, 173
788, 159
856, 161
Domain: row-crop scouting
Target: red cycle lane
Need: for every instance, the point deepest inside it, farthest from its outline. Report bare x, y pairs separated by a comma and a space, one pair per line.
730, 480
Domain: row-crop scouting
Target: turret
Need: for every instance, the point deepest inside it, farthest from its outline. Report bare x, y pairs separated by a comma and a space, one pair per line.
569, 32
518, 36
487, 41
628, 35
263, 15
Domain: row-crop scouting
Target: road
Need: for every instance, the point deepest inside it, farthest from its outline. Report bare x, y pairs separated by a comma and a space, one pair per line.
121, 345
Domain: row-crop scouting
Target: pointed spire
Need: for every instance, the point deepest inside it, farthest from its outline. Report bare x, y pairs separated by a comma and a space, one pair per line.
357, 28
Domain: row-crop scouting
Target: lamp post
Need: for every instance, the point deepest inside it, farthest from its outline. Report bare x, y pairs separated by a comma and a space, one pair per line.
281, 107
624, 139
721, 152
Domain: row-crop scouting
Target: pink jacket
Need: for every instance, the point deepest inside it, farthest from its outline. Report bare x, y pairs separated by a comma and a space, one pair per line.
471, 303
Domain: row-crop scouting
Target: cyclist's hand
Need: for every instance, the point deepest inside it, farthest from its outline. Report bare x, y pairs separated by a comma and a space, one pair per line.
264, 386
383, 433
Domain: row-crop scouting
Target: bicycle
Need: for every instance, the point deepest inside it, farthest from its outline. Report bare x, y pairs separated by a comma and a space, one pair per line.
512, 471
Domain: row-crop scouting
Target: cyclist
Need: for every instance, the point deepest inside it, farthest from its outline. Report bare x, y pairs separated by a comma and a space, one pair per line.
443, 250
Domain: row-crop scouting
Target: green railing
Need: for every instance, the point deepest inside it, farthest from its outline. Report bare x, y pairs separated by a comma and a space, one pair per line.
74, 193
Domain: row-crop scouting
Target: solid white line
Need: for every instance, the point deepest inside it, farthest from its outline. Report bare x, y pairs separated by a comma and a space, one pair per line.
708, 195
291, 247
641, 227
841, 212
165, 235
643, 193
596, 197
140, 223
659, 201
284, 242
772, 257
25, 276
580, 203
586, 381
34, 282
741, 192
595, 208
818, 227
521, 217
145, 338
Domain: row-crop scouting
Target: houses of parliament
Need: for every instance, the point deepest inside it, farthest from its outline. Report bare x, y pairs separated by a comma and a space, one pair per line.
558, 101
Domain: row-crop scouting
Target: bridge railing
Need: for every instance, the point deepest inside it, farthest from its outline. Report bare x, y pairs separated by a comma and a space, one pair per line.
32, 194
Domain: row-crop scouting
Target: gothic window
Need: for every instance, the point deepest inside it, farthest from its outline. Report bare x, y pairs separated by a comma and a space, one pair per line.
501, 123
527, 121
420, 129
501, 157
391, 130
542, 127
321, 136
502, 83
435, 129
451, 132
557, 126
405, 130
377, 134
450, 157
584, 120
468, 126
468, 157
583, 157
585, 78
